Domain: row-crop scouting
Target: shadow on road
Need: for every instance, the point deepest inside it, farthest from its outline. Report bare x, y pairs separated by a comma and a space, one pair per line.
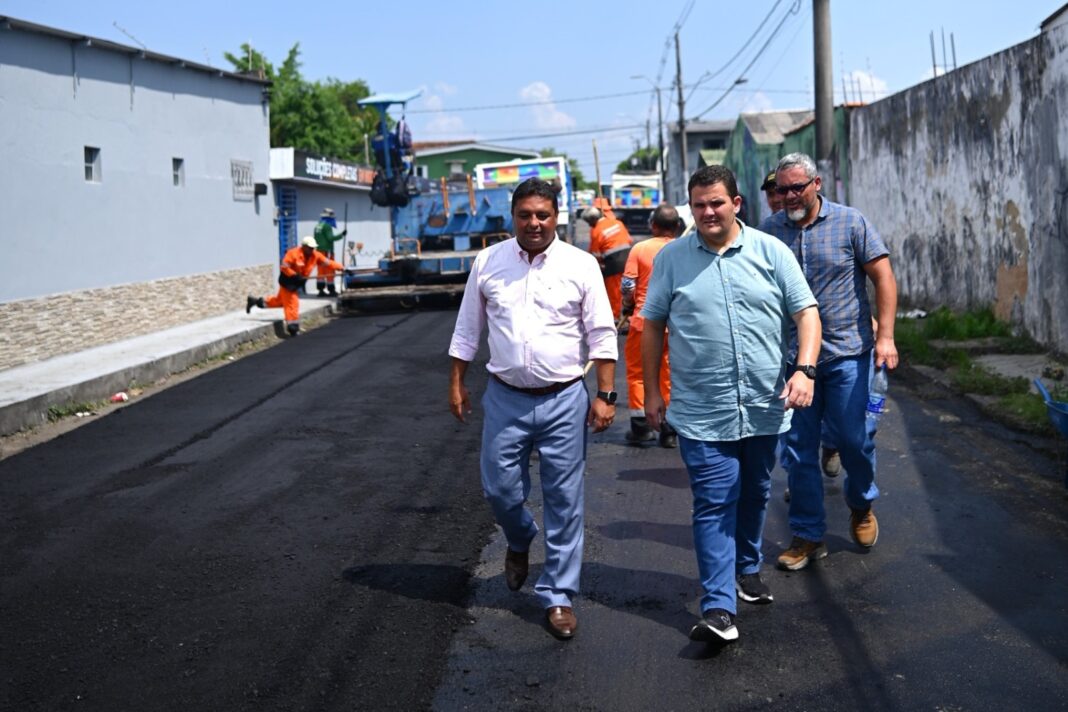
680, 535
673, 477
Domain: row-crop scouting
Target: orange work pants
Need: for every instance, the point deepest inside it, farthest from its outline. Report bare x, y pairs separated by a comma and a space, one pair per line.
288, 300
614, 286
632, 353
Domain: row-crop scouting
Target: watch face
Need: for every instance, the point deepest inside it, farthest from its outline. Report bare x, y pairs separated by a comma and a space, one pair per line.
608, 397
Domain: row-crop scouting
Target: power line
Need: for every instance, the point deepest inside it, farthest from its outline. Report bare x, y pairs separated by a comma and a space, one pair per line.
603, 129
706, 76
741, 76
522, 104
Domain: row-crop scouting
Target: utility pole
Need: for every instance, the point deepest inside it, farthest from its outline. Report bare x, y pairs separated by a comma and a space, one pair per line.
682, 115
648, 137
821, 40
660, 147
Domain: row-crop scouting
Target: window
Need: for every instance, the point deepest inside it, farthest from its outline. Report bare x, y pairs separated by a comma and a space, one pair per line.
178, 171
422, 171
456, 167
92, 165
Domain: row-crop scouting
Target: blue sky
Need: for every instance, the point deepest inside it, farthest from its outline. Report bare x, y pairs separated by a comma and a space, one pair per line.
552, 56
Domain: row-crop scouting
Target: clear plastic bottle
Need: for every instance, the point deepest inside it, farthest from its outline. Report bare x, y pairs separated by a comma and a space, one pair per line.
877, 394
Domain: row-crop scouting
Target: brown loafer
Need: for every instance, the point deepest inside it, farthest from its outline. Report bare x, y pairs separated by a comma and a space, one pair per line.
516, 564
562, 622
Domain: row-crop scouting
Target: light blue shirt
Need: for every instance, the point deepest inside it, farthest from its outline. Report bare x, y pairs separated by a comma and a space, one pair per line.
728, 320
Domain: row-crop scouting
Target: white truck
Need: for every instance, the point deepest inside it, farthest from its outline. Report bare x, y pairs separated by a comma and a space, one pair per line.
633, 198
510, 174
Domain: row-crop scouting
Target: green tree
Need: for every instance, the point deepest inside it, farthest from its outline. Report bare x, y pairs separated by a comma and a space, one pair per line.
250, 61
319, 117
642, 159
576, 173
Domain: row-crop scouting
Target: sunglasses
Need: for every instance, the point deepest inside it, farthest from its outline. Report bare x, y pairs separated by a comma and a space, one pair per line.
795, 188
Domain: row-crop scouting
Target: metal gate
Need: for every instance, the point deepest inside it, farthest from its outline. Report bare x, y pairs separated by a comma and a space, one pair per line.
286, 200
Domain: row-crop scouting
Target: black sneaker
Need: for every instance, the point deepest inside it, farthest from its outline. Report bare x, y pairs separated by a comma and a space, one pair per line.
752, 589
715, 625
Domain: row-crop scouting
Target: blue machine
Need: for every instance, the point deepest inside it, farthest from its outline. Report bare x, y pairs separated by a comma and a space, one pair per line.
434, 238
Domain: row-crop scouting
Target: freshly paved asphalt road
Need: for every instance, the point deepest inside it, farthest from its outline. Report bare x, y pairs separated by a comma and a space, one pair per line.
303, 529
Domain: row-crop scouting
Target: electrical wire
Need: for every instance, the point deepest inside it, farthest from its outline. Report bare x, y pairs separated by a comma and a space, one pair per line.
522, 104
793, 11
709, 76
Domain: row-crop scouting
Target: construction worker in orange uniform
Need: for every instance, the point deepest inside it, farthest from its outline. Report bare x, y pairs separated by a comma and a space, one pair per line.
297, 265
609, 243
665, 224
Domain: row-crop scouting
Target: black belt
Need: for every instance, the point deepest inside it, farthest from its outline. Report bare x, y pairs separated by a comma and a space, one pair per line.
543, 390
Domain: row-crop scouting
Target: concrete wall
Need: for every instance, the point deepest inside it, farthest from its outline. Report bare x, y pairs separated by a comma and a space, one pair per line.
63, 234
368, 223
966, 177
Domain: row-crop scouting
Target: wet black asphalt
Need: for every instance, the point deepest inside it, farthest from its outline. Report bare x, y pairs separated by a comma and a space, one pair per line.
303, 529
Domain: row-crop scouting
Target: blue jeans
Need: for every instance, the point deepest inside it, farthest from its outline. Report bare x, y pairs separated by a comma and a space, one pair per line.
840, 401
731, 483
514, 424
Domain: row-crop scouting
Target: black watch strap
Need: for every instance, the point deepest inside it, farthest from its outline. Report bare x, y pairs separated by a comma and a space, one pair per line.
808, 370
608, 397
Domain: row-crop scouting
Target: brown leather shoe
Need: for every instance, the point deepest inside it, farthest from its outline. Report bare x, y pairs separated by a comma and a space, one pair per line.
864, 527
562, 622
516, 564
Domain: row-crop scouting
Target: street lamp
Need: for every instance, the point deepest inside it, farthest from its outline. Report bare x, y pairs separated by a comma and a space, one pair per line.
659, 135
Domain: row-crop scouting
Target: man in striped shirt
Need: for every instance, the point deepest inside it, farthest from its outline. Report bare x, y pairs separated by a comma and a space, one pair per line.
838, 250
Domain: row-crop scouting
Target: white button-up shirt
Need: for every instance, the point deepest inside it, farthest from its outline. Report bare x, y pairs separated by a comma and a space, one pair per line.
545, 317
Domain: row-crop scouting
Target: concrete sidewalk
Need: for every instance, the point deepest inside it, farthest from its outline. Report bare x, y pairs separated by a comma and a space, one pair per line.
27, 391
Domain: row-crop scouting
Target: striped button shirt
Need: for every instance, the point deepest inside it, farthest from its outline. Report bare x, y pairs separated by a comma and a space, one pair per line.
832, 252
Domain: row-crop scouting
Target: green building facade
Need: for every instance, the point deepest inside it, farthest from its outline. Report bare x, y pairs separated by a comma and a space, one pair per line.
445, 160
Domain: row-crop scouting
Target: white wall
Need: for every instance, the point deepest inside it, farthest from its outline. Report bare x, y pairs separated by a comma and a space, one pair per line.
368, 223
58, 96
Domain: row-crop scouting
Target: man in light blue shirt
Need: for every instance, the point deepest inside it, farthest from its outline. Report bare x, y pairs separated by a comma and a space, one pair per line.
726, 293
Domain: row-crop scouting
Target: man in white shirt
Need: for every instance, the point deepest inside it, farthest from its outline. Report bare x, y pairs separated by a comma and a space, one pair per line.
547, 311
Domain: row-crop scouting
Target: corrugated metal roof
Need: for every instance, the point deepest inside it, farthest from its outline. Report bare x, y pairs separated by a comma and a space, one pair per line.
771, 126
12, 23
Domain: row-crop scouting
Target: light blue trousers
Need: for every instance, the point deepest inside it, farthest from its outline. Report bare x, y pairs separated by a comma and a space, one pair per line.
515, 424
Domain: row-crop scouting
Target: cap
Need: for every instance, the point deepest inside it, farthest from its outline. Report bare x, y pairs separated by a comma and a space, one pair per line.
769, 182
308, 241
327, 213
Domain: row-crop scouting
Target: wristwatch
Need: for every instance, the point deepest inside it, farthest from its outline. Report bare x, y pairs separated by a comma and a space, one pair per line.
809, 371
608, 397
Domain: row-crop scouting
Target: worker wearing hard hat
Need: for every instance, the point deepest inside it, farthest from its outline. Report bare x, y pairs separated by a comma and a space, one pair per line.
324, 240
297, 266
610, 244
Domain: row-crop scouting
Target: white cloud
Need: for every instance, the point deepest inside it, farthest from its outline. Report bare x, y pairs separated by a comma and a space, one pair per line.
546, 115
439, 125
434, 102
865, 86
442, 127
756, 102
931, 73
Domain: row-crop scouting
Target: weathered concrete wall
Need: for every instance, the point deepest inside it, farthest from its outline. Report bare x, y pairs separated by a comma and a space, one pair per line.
966, 176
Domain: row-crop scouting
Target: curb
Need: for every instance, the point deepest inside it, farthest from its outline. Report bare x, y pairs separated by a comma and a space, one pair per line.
33, 411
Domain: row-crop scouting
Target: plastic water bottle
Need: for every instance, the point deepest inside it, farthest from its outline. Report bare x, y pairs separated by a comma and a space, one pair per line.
877, 394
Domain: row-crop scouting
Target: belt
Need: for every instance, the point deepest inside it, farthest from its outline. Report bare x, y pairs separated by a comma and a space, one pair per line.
542, 391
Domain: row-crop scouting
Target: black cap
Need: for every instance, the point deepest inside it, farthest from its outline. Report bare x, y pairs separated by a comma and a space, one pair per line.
769, 182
